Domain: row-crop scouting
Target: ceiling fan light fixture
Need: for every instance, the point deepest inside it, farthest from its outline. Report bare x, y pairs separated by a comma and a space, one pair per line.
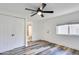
39, 13
39, 10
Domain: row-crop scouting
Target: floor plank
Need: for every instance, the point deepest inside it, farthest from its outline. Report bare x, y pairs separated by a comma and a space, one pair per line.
35, 48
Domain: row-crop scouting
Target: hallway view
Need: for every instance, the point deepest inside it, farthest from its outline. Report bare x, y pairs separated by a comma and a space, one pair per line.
29, 32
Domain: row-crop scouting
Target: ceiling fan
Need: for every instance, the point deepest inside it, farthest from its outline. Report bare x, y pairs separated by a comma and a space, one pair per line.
39, 11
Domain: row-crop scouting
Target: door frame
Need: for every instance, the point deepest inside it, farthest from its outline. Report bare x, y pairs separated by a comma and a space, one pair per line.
26, 23
29, 40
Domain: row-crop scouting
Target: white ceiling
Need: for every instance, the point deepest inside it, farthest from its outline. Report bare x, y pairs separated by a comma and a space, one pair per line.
18, 9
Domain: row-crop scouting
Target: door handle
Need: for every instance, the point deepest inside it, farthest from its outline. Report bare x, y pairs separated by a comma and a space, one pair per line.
12, 35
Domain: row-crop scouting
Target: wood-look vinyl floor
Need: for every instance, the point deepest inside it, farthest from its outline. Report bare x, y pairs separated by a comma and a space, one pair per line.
35, 48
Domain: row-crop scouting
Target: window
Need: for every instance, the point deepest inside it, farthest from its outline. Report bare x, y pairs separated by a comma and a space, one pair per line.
62, 29
74, 29
69, 29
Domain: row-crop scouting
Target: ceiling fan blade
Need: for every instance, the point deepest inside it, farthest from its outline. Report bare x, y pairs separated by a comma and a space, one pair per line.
42, 15
33, 14
43, 5
29, 9
48, 11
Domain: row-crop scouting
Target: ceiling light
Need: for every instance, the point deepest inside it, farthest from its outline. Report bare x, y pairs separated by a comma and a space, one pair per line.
39, 13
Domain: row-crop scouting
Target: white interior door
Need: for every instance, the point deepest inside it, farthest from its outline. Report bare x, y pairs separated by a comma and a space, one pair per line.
11, 33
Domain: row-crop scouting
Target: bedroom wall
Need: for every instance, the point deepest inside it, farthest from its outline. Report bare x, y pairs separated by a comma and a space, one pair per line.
49, 30
8, 26
37, 28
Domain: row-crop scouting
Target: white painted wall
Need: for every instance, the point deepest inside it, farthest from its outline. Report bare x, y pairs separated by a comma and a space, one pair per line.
49, 30
8, 26
36, 30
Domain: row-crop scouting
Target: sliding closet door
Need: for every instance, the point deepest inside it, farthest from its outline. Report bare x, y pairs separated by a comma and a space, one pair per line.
4, 33
11, 33
18, 32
